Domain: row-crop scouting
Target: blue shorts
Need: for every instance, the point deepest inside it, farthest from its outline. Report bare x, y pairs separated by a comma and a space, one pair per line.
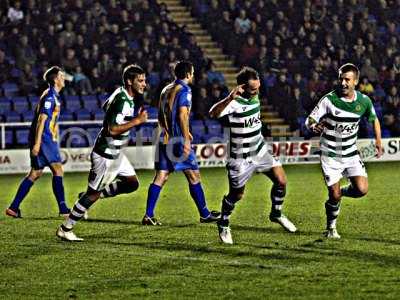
169, 158
49, 153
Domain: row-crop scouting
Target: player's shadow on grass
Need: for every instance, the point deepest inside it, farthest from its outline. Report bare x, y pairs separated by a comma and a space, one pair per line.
113, 221
233, 252
261, 229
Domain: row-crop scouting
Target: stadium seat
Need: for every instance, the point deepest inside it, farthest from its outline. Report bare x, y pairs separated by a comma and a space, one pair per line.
83, 114
72, 103
27, 116
10, 89
33, 100
386, 133
16, 73
9, 137
98, 114
90, 102
66, 115
152, 112
102, 98
13, 116
5, 105
20, 104
214, 129
22, 137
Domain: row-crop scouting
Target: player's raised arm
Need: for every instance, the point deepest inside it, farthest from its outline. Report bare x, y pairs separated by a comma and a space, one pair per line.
225, 106
116, 129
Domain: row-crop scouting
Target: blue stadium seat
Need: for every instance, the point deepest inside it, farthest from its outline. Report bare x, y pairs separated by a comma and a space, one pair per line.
66, 115
10, 89
102, 98
13, 116
72, 103
152, 112
198, 131
16, 73
20, 104
214, 129
386, 133
5, 105
22, 136
90, 102
33, 100
9, 137
27, 116
98, 114
83, 114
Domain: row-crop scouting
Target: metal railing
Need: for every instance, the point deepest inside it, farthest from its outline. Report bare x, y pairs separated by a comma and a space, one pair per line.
60, 123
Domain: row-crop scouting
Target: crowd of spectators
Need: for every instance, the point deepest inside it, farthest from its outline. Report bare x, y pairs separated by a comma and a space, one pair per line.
299, 45
93, 41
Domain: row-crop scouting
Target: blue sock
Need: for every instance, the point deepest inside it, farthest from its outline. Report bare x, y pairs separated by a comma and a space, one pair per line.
58, 190
197, 193
152, 197
23, 190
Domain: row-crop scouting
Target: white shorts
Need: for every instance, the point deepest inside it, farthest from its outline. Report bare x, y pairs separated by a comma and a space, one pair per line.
334, 170
104, 171
240, 170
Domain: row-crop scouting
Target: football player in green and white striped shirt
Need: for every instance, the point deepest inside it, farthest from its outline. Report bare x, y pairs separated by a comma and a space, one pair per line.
248, 151
337, 117
111, 173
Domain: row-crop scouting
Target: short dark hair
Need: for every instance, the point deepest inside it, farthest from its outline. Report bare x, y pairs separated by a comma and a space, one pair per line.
50, 75
245, 74
349, 67
182, 68
131, 72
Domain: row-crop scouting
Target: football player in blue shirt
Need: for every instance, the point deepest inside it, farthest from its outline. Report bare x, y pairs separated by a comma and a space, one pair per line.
43, 144
174, 151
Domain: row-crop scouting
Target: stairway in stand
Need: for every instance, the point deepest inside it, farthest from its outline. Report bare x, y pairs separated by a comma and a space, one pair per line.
180, 14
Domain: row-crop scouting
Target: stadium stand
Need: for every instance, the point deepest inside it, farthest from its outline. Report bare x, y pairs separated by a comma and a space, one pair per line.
309, 40
297, 46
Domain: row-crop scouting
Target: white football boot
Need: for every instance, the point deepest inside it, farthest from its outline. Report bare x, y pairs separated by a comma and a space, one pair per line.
331, 233
284, 222
67, 235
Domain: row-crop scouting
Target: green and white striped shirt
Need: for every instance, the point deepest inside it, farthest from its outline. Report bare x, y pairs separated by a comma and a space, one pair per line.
243, 116
119, 109
342, 122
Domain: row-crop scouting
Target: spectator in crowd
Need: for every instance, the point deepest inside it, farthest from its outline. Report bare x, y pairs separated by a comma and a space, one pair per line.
15, 13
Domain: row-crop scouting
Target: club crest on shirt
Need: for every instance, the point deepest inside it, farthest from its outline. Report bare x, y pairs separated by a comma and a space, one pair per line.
358, 108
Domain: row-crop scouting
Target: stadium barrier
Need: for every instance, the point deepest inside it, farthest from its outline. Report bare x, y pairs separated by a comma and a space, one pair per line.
208, 155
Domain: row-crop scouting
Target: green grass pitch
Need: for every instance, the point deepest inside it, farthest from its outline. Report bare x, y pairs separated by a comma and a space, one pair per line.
183, 259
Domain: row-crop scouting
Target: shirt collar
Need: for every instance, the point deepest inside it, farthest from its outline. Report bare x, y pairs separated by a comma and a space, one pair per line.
126, 93
181, 82
52, 90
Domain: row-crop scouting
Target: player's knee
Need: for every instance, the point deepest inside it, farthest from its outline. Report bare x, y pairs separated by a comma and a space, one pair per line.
160, 179
362, 190
35, 175
335, 195
128, 185
235, 196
